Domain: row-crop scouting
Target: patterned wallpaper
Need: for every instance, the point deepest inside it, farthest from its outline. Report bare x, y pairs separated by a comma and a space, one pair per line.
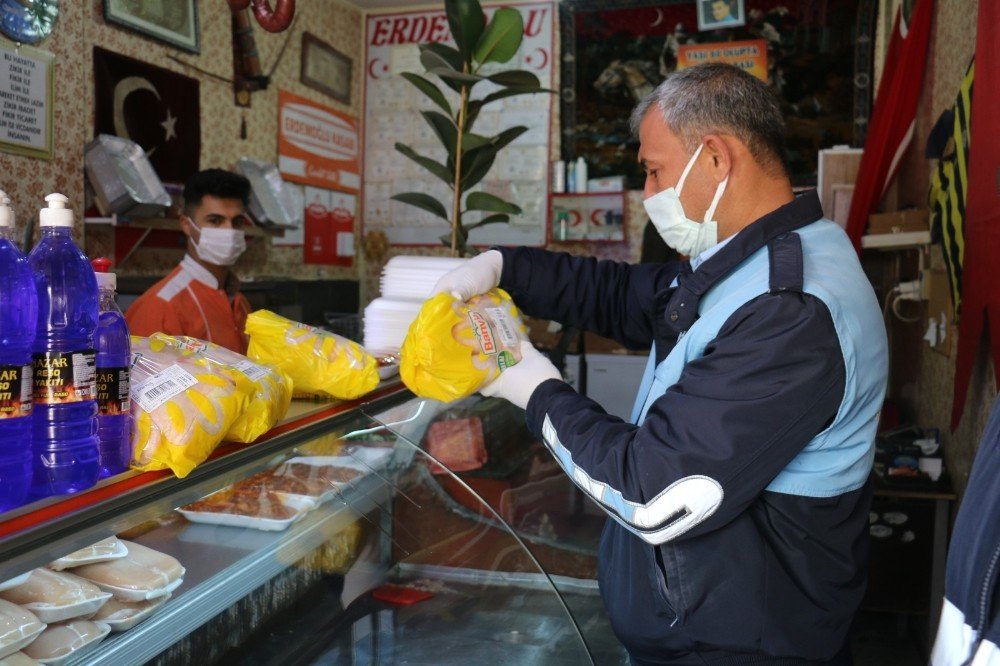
81, 26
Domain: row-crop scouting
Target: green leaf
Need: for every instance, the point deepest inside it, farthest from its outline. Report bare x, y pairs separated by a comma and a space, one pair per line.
489, 219
429, 89
444, 128
502, 37
471, 141
460, 78
422, 201
505, 137
448, 54
511, 92
472, 112
466, 20
515, 78
436, 168
478, 163
490, 202
432, 60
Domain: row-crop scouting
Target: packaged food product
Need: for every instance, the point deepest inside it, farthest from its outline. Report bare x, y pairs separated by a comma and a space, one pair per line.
102, 551
18, 627
255, 507
454, 348
14, 582
123, 615
268, 390
318, 362
61, 641
18, 659
55, 596
141, 575
457, 443
184, 406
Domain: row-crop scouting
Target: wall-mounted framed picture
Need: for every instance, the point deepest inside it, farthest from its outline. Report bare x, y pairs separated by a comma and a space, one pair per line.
173, 22
325, 69
720, 14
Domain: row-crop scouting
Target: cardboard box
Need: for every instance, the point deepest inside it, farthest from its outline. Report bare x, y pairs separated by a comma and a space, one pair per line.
913, 219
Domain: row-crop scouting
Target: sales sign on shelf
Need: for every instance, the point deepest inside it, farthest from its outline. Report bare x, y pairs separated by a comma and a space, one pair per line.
520, 173
317, 145
26, 102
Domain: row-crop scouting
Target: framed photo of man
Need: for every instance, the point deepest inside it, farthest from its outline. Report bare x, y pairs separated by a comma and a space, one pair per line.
325, 69
720, 14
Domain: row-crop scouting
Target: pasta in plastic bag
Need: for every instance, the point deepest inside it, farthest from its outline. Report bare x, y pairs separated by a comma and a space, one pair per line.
183, 406
318, 362
453, 348
268, 390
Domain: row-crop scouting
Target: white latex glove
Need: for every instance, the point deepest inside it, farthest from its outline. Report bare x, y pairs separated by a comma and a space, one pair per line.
476, 276
518, 382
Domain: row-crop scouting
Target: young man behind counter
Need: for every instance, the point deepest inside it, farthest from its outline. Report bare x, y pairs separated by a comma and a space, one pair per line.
201, 298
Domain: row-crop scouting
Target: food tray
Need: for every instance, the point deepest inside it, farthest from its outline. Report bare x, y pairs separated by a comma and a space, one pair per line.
78, 653
81, 609
234, 520
129, 622
11, 648
128, 594
15, 581
69, 561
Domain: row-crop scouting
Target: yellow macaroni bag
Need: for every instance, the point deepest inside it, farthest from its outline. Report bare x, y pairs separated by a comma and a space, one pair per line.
183, 406
453, 348
317, 361
268, 391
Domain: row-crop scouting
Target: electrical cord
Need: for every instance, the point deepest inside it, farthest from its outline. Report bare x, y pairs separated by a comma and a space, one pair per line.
892, 299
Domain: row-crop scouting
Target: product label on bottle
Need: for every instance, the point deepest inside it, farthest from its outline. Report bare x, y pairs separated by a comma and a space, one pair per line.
252, 370
15, 391
113, 391
64, 377
152, 393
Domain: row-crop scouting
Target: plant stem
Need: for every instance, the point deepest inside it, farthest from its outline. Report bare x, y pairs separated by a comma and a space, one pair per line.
456, 205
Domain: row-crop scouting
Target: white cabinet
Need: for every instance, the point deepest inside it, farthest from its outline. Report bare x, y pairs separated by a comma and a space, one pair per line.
613, 381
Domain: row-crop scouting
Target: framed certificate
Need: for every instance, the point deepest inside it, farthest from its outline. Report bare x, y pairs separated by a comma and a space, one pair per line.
325, 69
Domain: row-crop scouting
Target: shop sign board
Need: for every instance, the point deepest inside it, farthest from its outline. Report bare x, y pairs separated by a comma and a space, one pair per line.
26, 94
750, 55
317, 145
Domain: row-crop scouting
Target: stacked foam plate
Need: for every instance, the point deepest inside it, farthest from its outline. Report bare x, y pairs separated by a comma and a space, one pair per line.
405, 284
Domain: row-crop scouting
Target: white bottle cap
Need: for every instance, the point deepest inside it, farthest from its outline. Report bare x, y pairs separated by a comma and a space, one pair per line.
106, 281
57, 213
6, 212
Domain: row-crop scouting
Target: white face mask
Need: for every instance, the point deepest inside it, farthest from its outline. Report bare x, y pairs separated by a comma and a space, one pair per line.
667, 214
221, 247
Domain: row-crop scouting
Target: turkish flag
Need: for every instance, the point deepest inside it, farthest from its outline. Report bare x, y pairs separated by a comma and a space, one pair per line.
980, 286
890, 129
153, 106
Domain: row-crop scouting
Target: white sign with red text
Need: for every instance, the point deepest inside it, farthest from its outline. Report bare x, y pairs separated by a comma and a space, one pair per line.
317, 145
520, 173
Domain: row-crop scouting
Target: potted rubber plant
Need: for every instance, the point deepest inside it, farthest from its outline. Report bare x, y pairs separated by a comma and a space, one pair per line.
480, 48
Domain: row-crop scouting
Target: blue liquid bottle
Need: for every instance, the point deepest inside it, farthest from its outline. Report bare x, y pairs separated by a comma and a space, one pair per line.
65, 412
18, 316
114, 356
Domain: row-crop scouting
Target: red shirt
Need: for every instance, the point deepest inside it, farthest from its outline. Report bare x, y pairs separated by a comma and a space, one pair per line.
190, 302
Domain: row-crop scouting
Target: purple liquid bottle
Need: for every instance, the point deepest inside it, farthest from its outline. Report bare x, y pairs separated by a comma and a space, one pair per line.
18, 316
114, 357
65, 445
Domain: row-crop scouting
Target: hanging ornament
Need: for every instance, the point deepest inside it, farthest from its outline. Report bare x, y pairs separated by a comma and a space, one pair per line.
29, 21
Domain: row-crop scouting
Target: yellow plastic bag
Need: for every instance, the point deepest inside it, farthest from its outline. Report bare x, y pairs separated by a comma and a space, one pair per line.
453, 348
268, 391
318, 362
183, 406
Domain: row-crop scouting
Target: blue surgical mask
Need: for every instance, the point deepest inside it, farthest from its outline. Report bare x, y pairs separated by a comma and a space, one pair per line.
677, 230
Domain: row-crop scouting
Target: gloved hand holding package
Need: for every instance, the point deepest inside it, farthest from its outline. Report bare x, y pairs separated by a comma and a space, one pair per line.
454, 348
183, 407
317, 361
268, 390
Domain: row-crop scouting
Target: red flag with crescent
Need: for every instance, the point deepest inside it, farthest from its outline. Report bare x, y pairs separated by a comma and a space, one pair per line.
980, 286
155, 107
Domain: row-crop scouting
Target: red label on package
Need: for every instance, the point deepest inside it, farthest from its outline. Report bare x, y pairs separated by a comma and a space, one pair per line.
113, 395
64, 377
15, 391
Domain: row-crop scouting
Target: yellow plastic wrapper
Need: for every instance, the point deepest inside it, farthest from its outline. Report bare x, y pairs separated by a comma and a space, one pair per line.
268, 390
183, 406
318, 362
453, 349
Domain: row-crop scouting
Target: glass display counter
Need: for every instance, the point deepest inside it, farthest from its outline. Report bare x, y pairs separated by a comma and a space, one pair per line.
341, 537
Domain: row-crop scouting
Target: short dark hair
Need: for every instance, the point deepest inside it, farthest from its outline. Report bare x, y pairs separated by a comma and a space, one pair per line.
719, 98
217, 183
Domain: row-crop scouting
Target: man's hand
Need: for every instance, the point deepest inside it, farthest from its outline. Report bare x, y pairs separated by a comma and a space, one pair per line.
476, 276
518, 382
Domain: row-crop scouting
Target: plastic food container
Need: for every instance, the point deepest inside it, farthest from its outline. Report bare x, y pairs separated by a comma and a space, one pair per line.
18, 659
102, 551
141, 575
55, 596
215, 510
14, 582
18, 627
71, 640
123, 615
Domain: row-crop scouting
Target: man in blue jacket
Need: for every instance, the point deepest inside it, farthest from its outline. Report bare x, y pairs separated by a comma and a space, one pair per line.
739, 492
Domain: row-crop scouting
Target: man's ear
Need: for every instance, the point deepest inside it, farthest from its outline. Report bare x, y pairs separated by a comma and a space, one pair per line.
186, 226
720, 156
